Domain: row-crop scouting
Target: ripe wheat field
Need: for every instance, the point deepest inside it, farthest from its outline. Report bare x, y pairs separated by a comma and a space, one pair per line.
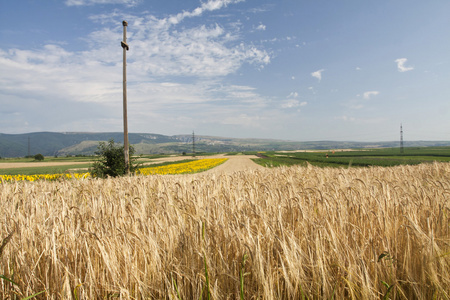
282, 233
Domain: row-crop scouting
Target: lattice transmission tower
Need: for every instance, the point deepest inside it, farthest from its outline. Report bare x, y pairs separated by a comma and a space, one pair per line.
193, 144
401, 138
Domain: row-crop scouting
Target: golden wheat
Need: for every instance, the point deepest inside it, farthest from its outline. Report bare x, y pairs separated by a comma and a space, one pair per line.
284, 233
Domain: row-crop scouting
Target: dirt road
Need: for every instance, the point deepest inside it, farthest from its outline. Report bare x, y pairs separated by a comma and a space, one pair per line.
235, 164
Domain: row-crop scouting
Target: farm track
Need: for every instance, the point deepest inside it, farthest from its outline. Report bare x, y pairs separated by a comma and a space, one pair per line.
235, 164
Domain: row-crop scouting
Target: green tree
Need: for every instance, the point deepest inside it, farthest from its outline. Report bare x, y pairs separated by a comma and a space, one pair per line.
112, 160
39, 157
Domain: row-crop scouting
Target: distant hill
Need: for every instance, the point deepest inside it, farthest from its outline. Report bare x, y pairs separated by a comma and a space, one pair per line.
68, 143
82, 143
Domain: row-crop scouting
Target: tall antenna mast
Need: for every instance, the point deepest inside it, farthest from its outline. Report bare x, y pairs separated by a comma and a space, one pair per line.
125, 118
193, 144
401, 138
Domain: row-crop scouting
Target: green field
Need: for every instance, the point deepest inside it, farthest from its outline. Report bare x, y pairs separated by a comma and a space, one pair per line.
70, 166
358, 158
43, 170
69, 159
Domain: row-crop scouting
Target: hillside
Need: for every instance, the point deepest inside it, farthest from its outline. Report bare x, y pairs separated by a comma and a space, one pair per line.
82, 143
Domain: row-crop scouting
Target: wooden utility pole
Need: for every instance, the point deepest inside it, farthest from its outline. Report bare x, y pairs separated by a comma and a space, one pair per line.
125, 118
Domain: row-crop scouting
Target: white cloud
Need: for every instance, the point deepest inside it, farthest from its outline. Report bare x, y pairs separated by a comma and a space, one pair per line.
293, 95
160, 47
211, 5
292, 101
88, 93
199, 51
261, 27
368, 95
53, 71
317, 74
88, 83
401, 65
358, 103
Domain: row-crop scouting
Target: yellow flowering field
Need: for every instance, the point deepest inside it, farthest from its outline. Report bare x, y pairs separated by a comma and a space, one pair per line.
43, 177
180, 168
184, 168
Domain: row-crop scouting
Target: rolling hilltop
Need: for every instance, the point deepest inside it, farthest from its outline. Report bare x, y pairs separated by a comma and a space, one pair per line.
81, 143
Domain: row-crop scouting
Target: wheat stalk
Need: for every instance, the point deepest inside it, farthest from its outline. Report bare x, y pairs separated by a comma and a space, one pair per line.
300, 232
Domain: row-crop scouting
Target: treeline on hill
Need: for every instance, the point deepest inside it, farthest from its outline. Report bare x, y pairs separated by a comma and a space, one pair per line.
55, 143
77, 143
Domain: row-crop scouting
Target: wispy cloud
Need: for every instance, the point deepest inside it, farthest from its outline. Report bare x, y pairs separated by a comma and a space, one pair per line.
293, 95
370, 94
211, 5
317, 74
160, 51
360, 101
292, 101
161, 47
401, 65
261, 27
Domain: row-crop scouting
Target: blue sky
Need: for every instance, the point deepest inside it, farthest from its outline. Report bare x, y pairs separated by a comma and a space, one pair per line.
286, 69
